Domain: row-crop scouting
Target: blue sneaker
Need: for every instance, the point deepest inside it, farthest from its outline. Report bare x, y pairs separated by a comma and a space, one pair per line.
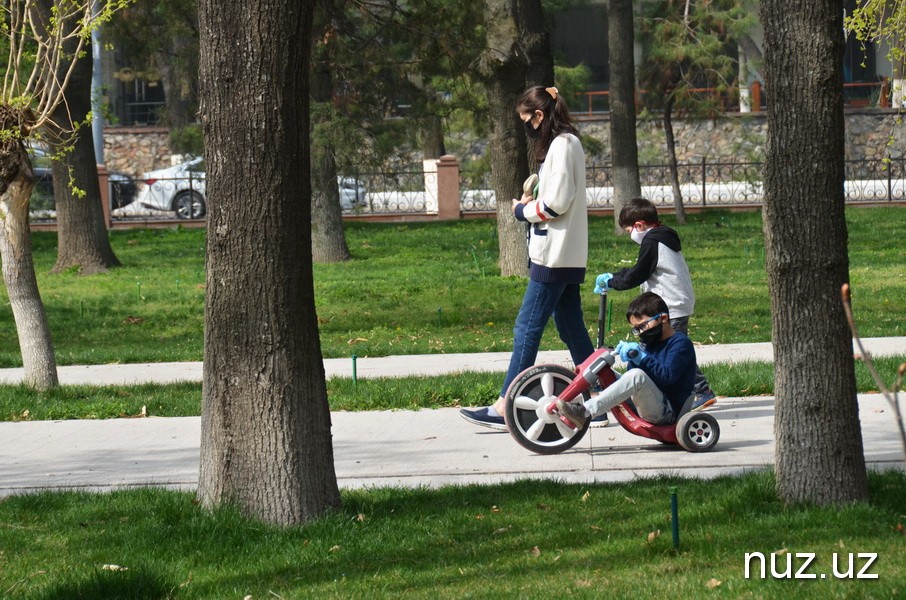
704, 400
481, 416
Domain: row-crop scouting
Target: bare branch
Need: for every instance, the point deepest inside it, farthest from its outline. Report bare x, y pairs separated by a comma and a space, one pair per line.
892, 398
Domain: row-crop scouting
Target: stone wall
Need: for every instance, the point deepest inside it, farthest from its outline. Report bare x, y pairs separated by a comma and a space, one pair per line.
870, 134
136, 150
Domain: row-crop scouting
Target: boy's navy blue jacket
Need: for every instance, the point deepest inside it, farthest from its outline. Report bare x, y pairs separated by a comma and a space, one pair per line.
660, 268
671, 366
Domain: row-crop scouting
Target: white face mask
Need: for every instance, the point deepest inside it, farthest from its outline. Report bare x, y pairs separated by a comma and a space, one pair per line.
637, 235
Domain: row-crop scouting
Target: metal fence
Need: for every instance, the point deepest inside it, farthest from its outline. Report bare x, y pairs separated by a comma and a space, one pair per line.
404, 192
721, 184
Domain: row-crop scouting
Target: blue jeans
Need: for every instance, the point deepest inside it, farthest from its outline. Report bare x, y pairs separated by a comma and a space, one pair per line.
563, 301
648, 399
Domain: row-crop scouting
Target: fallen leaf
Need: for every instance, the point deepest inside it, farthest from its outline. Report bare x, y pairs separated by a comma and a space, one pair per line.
653, 535
596, 528
334, 549
501, 530
780, 552
535, 551
628, 499
494, 509
543, 506
361, 518
479, 516
114, 568
585, 496
713, 583
840, 543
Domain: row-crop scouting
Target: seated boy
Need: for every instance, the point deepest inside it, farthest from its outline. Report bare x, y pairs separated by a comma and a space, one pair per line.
659, 378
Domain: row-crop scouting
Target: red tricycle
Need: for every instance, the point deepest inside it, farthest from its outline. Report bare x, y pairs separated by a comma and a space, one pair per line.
533, 420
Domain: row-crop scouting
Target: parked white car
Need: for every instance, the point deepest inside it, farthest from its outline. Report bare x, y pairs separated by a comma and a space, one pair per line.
182, 189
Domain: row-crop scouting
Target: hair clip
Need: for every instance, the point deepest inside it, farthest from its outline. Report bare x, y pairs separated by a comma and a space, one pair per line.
552, 91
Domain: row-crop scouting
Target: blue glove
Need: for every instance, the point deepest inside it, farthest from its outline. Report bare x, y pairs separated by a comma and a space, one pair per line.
631, 352
602, 283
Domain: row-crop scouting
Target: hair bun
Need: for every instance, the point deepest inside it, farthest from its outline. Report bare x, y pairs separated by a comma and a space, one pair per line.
552, 91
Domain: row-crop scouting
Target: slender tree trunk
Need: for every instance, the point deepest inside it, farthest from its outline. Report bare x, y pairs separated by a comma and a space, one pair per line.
624, 151
266, 442
503, 67
432, 130
16, 183
678, 206
818, 452
328, 238
81, 231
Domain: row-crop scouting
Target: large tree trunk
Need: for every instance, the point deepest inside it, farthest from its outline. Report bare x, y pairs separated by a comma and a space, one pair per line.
818, 452
624, 150
81, 231
16, 183
503, 67
328, 239
678, 206
266, 441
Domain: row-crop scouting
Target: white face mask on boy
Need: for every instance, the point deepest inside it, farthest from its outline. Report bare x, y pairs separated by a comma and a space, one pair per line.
637, 235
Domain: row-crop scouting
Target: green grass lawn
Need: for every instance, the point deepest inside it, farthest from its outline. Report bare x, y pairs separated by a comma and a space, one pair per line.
529, 539
434, 287
19, 403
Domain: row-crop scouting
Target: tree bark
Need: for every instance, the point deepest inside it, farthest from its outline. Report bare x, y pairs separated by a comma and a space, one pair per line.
818, 452
678, 206
81, 232
432, 137
16, 183
328, 238
503, 68
266, 442
624, 150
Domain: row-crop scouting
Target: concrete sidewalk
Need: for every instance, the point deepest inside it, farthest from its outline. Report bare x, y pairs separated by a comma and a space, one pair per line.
404, 448
398, 366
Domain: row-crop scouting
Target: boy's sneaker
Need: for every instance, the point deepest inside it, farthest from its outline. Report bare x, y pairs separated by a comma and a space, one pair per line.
481, 416
600, 421
575, 412
704, 400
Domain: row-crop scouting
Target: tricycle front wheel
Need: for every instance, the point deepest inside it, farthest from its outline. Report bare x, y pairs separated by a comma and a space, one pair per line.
526, 416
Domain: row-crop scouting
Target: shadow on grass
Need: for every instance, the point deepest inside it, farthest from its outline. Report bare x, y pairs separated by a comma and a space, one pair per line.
134, 583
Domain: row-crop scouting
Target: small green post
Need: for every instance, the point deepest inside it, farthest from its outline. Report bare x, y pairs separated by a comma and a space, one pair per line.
355, 378
674, 516
440, 317
139, 287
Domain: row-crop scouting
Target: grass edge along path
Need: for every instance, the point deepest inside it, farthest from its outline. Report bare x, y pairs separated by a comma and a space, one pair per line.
19, 403
521, 539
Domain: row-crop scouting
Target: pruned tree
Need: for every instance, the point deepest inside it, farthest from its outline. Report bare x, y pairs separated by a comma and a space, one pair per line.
41, 50
624, 150
818, 451
689, 65
266, 440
